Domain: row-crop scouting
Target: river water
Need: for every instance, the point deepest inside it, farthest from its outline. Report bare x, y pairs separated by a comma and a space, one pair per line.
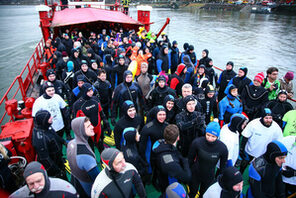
256, 41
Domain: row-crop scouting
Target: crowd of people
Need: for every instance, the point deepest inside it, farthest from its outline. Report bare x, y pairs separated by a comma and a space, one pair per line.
175, 122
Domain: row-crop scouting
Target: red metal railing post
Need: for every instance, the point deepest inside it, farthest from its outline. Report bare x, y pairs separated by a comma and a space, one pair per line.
21, 84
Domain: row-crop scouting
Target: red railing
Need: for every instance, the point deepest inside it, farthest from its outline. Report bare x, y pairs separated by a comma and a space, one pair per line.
23, 83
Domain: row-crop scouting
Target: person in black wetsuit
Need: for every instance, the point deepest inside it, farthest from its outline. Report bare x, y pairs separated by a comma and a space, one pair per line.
90, 106
126, 90
265, 175
157, 95
205, 58
74, 57
241, 80
59, 86
88, 74
224, 79
118, 71
130, 138
169, 105
104, 90
209, 104
129, 119
77, 91
254, 97
48, 145
152, 132
279, 107
118, 179
191, 124
171, 166
203, 156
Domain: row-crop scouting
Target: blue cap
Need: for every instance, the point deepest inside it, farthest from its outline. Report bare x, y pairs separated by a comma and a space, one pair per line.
213, 128
175, 190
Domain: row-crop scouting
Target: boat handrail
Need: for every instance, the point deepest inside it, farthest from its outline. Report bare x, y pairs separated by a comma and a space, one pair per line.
23, 83
89, 5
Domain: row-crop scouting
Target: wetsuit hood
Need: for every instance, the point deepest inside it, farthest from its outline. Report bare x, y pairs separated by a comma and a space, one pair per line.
266, 112
185, 46
45, 86
230, 63
207, 53
41, 119
49, 72
125, 74
245, 70
126, 106
167, 99
180, 69
274, 149
85, 88
129, 135
236, 122
108, 156
230, 177
228, 91
90, 51
154, 111
58, 54
36, 167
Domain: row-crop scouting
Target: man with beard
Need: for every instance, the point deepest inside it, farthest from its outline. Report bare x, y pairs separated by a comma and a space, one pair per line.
256, 136
158, 94
40, 185
265, 172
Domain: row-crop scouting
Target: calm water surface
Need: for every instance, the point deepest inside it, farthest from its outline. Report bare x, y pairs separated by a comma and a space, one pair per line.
252, 40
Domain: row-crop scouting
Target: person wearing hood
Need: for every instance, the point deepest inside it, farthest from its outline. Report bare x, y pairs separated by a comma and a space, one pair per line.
204, 154
59, 45
191, 124
209, 104
171, 166
210, 72
197, 79
229, 185
152, 132
118, 72
61, 63
241, 80
39, 185
169, 105
229, 105
104, 90
77, 91
59, 86
108, 66
254, 97
177, 79
56, 106
75, 59
180, 102
205, 60
174, 56
192, 56
265, 172
90, 106
68, 43
230, 136
129, 148
157, 95
163, 61
279, 107
185, 48
91, 55
89, 75
127, 90
287, 83
256, 136
118, 178
189, 68
224, 79
128, 119
48, 145
82, 159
